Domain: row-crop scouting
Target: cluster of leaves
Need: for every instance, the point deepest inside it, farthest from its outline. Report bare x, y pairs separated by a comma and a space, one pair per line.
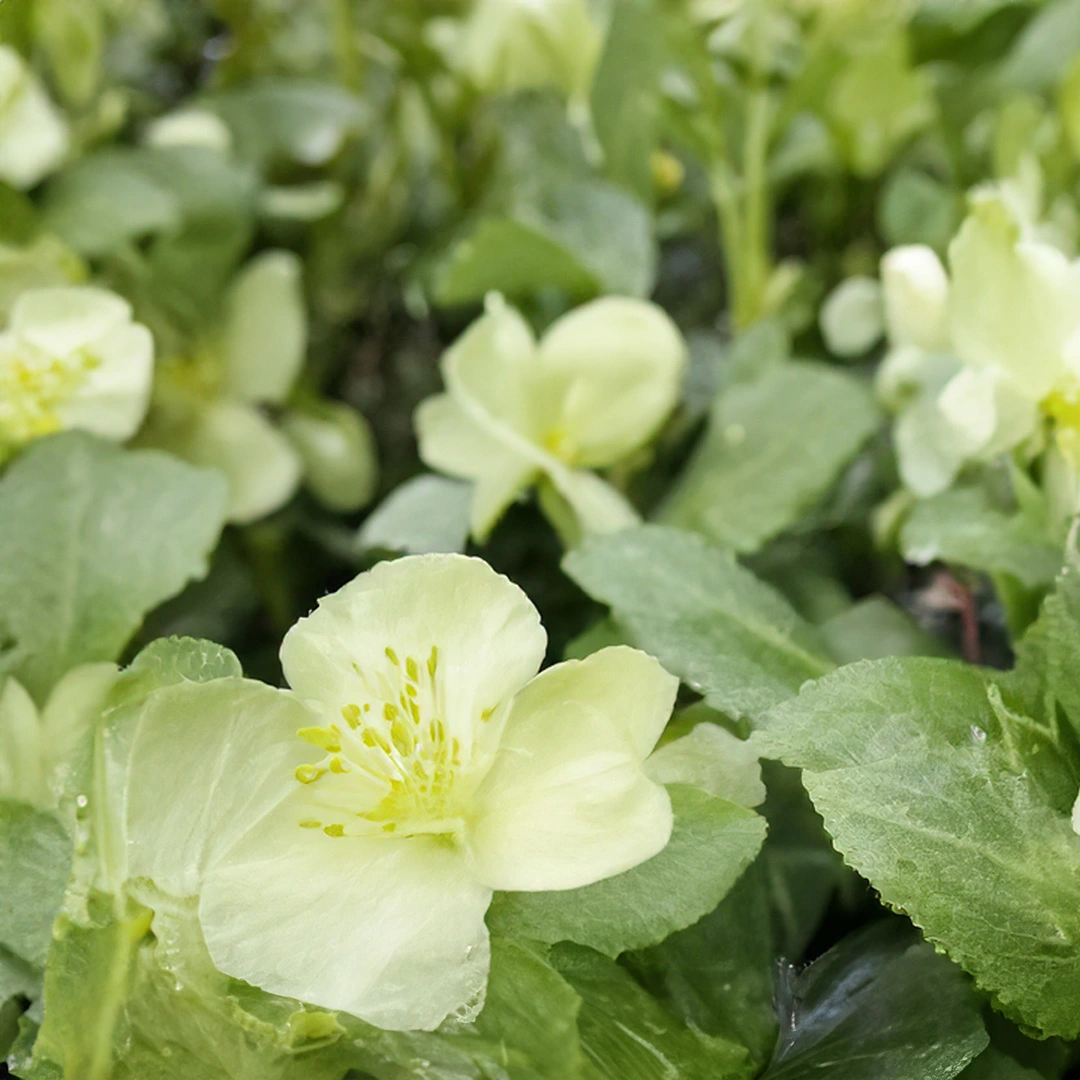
877, 747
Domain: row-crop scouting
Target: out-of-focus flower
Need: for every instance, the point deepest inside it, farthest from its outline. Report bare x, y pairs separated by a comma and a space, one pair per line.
33, 132
72, 358
592, 391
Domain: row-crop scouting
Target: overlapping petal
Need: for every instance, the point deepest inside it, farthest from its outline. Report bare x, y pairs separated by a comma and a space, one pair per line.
566, 802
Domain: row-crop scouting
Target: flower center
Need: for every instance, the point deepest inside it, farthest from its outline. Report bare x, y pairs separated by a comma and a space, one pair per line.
33, 387
391, 765
1063, 406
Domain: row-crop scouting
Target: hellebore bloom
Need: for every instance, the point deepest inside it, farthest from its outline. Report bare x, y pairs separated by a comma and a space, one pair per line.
33, 131
72, 358
344, 838
511, 45
983, 356
210, 407
596, 388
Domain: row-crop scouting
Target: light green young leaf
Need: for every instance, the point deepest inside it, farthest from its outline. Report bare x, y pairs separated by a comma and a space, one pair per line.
35, 860
712, 843
879, 1006
920, 774
627, 1035
706, 618
91, 538
752, 478
964, 526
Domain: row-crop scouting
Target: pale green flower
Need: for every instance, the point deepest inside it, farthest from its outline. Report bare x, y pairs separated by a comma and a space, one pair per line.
509, 45
344, 837
592, 391
213, 407
984, 355
852, 319
72, 358
33, 132
39, 748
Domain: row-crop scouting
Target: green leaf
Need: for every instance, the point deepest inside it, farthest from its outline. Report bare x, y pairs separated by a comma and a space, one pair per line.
875, 628
992, 1064
719, 974
752, 478
91, 538
426, 514
921, 773
706, 618
712, 844
965, 527
879, 1006
627, 1035
35, 861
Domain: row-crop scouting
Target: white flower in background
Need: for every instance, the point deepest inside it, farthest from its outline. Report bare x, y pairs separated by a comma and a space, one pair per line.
596, 388
510, 45
33, 131
72, 358
852, 319
211, 409
344, 838
983, 356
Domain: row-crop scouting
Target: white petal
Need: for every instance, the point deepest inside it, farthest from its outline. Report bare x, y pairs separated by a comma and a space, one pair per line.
598, 507
929, 453
266, 329
852, 319
61, 321
455, 444
487, 634
208, 762
987, 411
1015, 303
33, 132
113, 399
614, 368
262, 469
567, 801
916, 293
489, 371
391, 931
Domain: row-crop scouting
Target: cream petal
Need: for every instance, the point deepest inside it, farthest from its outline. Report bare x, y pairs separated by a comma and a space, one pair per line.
113, 399
453, 443
1015, 303
391, 931
598, 507
615, 367
34, 135
915, 288
567, 802
266, 329
22, 750
208, 762
262, 469
63, 320
487, 634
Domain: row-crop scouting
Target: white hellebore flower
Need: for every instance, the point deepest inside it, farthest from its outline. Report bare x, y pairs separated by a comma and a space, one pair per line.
596, 388
33, 131
510, 45
344, 838
980, 357
71, 357
211, 406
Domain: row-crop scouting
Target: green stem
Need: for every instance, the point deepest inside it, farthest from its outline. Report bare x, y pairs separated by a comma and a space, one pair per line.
350, 62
